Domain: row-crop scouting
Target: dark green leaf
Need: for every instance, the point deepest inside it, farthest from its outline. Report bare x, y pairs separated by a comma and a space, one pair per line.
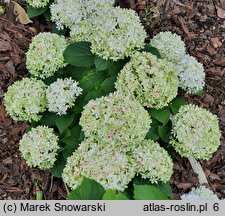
116, 67
199, 93
109, 84
164, 132
176, 104
152, 50
101, 64
64, 121
88, 190
47, 15
58, 167
48, 119
161, 115
92, 95
114, 195
153, 133
165, 188
148, 192
79, 54
33, 11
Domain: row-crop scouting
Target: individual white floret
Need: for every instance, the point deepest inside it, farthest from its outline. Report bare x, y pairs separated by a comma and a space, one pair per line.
152, 162
38, 3
39, 147
201, 193
62, 94
170, 46
195, 132
45, 54
118, 36
115, 119
25, 100
191, 74
151, 81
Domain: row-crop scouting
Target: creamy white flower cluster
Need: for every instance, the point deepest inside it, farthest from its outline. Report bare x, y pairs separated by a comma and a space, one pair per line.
111, 167
45, 54
114, 149
201, 193
39, 147
152, 161
62, 94
118, 36
151, 81
195, 132
190, 71
70, 13
38, 3
25, 100
115, 119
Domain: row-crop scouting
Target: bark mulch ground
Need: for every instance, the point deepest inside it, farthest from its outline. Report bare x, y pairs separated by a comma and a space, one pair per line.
201, 25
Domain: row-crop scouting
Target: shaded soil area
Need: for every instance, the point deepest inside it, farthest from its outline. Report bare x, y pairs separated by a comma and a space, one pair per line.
201, 25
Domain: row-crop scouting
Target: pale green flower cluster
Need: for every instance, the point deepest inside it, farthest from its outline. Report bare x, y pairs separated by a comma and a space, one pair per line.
118, 36
38, 3
201, 193
152, 162
151, 81
115, 119
195, 132
25, 100
39, 147
62, 94
45, 54
169, 45
191, 74
111, 167
70, 13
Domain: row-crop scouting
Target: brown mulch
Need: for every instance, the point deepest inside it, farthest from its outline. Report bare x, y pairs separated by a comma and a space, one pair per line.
201, 25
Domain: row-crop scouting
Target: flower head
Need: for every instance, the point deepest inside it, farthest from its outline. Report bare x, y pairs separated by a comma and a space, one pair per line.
201, 193
151, 81
111, 167
45, 54
70, 13
195, 132
115, 119
118, 36
39, 147
62, 94
169, 45
152, 162
191, 74
38, 3
25, 100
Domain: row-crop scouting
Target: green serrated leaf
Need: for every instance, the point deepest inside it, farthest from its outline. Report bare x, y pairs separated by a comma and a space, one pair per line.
34, 12
165, 188
64, 121
148, 192
88, 190
109, 84
114, 195
79, 54
93, 95
58, 167
162, 115
101, 64
48, 119
152, 50
164, 132
153, 133
176, 104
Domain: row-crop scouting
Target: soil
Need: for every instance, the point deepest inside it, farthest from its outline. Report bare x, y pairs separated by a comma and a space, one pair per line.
201, 25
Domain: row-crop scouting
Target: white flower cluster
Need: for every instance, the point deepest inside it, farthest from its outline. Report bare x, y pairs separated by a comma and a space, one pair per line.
191, 74
201, 193
195, 132
70, 13
39, 147
38, 3
151, 81
111, 167
190, 71
45, 54
118, 36
115, 119
152, 162
25, 100
62, 94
